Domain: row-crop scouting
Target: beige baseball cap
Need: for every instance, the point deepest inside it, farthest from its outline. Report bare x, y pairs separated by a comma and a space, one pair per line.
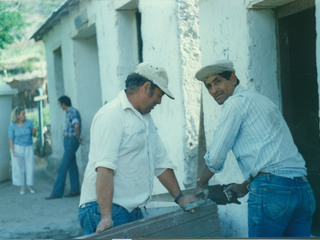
155, 74
215, 68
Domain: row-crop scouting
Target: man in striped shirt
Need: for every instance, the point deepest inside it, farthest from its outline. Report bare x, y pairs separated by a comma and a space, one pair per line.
281, 201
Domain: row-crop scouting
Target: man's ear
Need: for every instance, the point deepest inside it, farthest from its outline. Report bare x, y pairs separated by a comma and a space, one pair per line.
146, 86
233, 78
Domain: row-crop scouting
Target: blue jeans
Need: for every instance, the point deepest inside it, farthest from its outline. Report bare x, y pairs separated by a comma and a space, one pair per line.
68, 164
280, 207
90, 215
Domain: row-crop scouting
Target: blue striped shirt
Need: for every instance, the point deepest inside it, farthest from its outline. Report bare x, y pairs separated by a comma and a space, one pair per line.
254, 129
72, 117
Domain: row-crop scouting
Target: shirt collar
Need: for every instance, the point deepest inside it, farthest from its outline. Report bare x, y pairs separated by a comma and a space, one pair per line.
237, 90
69, 109
126, 104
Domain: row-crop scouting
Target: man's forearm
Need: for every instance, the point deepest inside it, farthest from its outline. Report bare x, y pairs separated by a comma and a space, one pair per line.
169, 181
77, 129
104, 190
206, 176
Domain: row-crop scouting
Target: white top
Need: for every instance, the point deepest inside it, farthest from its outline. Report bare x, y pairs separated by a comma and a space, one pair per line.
127, 142
253, 127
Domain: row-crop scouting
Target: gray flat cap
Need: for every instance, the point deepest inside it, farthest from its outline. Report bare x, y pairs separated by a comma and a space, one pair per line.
215, 68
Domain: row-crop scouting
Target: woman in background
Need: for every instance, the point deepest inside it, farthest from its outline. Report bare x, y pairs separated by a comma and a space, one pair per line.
22, 156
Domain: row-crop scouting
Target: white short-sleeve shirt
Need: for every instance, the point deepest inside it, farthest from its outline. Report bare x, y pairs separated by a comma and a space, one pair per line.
127, 142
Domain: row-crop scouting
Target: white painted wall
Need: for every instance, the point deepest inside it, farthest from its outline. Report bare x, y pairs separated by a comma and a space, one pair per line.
6, 93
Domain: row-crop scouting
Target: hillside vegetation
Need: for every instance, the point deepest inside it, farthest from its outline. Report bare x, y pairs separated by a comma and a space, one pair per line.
24, 58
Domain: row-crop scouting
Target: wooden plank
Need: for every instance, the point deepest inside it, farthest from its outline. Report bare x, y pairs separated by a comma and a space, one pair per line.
176, 224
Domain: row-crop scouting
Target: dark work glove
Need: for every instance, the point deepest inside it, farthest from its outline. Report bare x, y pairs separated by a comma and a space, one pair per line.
217, 195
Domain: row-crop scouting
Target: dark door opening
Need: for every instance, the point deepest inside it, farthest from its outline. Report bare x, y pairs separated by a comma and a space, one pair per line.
299, 89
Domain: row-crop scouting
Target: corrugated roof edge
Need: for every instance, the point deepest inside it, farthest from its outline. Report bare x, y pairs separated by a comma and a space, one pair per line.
50, 21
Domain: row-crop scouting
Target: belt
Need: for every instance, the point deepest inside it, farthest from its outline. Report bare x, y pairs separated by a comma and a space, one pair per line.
69, 136
263, 174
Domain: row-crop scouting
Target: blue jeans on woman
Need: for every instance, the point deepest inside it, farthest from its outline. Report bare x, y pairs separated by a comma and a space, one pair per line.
89, 216
280, 207
68, 164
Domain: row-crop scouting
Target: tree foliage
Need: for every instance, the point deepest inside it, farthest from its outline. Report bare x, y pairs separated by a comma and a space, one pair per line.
11, 22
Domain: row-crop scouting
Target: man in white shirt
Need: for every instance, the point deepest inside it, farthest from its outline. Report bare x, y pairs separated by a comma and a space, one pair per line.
125, 154
281, 202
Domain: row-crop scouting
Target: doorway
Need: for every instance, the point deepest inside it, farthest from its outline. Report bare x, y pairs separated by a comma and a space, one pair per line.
299, 90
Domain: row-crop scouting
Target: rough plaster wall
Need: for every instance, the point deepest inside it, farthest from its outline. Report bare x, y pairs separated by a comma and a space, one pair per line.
160, 47
317, 3
188, 29
127, 44
108, 45
262, 68
52, 41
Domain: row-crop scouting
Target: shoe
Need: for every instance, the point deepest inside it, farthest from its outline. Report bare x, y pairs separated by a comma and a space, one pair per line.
52, 197
22, 192
73, 194
32, 191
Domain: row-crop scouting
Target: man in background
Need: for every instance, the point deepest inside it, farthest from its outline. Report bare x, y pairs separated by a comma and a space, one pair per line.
71, 142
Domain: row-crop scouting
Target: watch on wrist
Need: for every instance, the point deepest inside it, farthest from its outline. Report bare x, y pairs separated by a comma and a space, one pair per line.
178, 197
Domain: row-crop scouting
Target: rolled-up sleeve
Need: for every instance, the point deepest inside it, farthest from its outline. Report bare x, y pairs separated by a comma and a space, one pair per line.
106, 135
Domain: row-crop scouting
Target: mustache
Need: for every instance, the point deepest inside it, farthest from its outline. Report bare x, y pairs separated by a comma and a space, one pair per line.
217, 93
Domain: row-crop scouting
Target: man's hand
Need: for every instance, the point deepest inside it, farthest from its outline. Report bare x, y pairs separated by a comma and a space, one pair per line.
187, 199
217, 194
104, 224
239, 189
79, 140
201, 192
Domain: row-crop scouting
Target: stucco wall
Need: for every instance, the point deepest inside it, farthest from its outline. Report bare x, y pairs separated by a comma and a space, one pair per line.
190, 60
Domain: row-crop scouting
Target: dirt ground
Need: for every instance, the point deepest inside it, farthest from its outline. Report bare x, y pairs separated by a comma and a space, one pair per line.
31, 216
